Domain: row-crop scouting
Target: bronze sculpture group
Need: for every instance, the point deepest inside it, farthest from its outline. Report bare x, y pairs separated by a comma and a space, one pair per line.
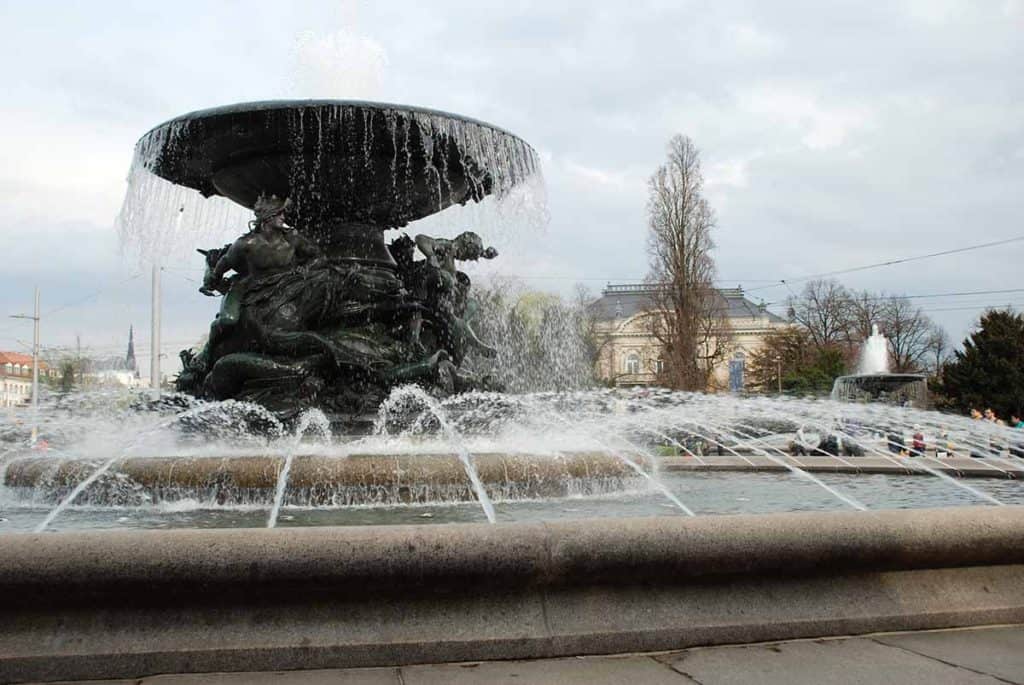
298, 328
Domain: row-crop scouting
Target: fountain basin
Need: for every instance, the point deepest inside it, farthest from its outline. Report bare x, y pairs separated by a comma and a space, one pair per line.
130, 604
905, 389
316, 480
960, 467
351, 168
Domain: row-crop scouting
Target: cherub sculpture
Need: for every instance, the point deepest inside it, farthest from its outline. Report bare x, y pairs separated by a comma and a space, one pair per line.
442, 288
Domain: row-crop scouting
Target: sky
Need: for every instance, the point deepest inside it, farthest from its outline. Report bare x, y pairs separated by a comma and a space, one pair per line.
833, 135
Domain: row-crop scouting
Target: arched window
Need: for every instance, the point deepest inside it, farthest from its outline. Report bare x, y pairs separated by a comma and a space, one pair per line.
659, 365
632, 364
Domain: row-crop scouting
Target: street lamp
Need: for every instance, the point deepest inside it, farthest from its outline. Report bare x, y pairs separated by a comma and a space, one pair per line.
35, 366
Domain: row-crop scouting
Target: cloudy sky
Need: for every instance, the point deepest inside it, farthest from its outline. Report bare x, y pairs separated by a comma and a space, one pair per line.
833, 134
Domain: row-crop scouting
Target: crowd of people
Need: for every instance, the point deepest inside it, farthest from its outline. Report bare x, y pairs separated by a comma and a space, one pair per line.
1015, 447
940, 445
946, 447
990, 416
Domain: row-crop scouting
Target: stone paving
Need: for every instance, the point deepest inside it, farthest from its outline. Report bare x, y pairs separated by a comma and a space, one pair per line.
977, 656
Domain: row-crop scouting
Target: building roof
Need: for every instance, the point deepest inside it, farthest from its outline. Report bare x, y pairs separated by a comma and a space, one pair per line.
110, 363
19, 359
621, 301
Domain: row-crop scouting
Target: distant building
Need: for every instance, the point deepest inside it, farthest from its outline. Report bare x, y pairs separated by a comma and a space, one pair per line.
631, 355
116, 369
16, 378
129, 359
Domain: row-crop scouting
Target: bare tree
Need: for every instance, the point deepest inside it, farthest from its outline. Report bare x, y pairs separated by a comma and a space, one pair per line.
836, 318
909, 331
593, 340
866, 309
693, 330
939, 348
824, 309
714, 337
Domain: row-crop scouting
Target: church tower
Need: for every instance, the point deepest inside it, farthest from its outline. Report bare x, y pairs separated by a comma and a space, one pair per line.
129, 360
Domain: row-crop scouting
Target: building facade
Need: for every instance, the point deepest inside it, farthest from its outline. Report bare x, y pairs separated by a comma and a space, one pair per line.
630, 355
16, 378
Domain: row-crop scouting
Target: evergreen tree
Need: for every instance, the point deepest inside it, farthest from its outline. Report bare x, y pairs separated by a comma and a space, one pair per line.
826, 364
989, 371
805, 367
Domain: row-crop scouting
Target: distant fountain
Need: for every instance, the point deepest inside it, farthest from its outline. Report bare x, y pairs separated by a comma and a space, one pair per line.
874, 356
874, 383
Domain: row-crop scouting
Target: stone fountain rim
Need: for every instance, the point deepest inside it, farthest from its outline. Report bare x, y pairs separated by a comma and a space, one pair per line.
907, 376
567, 552
130, 604
312, 103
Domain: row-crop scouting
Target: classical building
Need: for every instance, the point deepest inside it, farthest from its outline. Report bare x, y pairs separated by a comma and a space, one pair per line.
16, 378
631, 355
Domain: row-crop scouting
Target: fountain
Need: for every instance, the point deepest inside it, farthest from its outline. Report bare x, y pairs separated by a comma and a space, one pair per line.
328, 430
318, 311
874, 383
486, 456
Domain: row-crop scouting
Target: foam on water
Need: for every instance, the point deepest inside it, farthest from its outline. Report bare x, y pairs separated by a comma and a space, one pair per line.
416, 395
101, 429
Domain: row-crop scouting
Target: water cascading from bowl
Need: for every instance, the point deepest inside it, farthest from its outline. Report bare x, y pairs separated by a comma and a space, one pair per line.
321, 313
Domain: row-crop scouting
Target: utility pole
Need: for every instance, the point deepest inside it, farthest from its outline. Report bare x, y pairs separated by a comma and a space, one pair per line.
778, 372
154, 363
35, 366
35, 370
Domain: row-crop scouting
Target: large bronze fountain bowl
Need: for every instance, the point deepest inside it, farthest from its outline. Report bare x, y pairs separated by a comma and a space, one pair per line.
352, 169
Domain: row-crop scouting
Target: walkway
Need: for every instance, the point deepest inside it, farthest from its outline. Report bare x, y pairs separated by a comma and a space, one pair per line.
979, 656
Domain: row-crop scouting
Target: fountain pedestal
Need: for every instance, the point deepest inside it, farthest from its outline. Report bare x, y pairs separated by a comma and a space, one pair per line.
890, 388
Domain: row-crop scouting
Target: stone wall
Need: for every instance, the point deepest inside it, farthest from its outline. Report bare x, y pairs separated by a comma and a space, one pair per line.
126, 604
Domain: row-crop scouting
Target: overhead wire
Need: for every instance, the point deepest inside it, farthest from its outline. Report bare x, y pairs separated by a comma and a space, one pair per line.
1000, 305
882, 298
890, 262
80, 301
787, 282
